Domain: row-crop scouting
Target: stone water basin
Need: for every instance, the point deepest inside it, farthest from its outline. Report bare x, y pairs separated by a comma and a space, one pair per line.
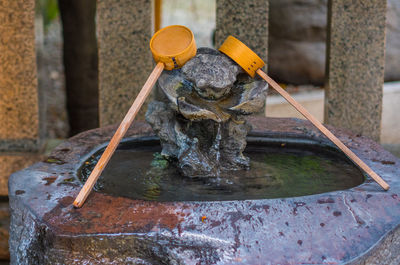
280, 168
311, 219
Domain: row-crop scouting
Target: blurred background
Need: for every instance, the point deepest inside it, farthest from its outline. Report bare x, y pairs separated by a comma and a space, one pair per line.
67, 57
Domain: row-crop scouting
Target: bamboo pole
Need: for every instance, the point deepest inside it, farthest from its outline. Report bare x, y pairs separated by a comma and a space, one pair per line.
324, 130
119, 134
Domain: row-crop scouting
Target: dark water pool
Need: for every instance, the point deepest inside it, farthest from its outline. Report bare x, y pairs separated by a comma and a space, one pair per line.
279, 168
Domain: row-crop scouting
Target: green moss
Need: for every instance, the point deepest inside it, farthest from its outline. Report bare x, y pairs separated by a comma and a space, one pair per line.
68, 180
178, 86
183, 88
248, 86
159, 161
299, 173
292, 164
152, 181
152, 192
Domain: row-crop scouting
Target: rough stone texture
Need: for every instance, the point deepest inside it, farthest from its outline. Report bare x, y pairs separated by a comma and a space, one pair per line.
355, 62
200, 123
245, 20
4, 224
11, 162
297, 41
125, 61
212, 73
354, 225
19, 117
387, 252
19, 98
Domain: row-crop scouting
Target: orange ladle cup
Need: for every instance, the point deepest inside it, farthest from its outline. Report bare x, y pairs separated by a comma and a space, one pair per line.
171, 47
252, 64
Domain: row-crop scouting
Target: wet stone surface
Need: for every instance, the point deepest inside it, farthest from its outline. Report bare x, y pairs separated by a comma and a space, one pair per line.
357, 225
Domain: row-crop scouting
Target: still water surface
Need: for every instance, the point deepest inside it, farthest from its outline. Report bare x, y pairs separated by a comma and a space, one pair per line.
277, 171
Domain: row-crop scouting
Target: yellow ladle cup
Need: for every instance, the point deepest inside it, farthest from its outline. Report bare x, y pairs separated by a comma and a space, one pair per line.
252, 64
171, 47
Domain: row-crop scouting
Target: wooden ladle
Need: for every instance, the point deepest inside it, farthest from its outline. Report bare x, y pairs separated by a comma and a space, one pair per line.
171, 47
252, 64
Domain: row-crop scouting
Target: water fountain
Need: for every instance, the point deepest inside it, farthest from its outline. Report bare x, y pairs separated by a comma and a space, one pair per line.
199, 186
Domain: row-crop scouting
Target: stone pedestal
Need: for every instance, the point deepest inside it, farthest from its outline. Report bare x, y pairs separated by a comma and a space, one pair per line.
358, 225
245, 20
125, 61
355, 64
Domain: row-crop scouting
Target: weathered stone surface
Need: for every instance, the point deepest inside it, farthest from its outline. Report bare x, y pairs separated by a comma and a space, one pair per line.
245, 20
349, 226
212, 73
201, 124
125, 61
4, 225
11, 162
355, 62
297, 40
19, 116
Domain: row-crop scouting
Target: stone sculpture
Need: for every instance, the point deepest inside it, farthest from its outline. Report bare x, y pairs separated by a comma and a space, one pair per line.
199, 114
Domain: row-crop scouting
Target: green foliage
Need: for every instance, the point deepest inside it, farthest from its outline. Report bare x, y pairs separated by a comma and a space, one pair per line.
48, 9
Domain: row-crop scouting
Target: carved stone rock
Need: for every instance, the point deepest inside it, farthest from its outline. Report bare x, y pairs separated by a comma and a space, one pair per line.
200, 118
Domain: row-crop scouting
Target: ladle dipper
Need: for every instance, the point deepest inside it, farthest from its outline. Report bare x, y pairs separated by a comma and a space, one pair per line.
252, 64
171, 47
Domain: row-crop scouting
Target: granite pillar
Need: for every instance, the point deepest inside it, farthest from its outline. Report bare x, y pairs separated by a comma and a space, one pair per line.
19, 111
245, 20
125, 61
19, 99
355, 65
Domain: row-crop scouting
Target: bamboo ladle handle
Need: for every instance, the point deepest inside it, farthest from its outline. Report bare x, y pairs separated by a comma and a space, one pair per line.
119, 134
252, 64
324, 130
171, 47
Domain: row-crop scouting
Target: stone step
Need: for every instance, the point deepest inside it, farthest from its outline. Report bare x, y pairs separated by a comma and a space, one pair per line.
4, 226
